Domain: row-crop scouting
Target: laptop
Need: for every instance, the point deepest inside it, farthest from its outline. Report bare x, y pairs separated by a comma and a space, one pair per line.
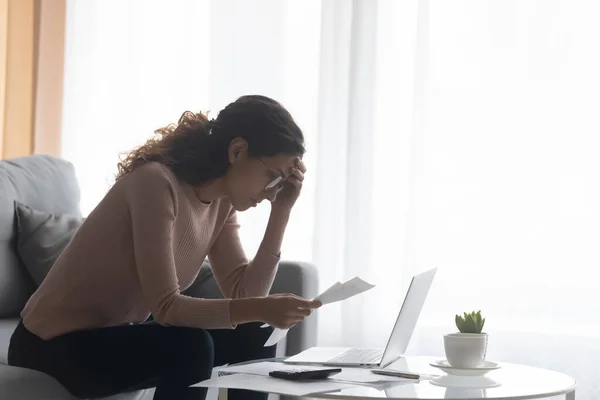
397, 342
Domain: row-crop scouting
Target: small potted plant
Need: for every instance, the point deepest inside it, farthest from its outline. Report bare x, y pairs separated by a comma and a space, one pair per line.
466, 348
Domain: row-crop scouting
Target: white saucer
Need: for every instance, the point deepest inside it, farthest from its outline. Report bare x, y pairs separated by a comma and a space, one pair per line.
476, 371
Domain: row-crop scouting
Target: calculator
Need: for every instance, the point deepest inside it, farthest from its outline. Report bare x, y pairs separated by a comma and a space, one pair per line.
301, 374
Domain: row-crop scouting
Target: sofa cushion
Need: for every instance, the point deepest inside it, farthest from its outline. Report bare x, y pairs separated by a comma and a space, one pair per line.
22, 383
41, 237
26, 384
44, 183
7, 327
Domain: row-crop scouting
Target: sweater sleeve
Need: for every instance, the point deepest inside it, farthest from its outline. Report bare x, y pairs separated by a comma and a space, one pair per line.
152, 206
237, 277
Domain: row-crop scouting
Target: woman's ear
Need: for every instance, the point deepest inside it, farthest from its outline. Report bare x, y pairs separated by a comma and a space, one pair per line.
237, 149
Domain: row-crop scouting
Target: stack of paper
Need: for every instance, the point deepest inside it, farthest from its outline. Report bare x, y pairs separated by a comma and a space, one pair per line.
255, 376
337, 292
272, 385
348, 374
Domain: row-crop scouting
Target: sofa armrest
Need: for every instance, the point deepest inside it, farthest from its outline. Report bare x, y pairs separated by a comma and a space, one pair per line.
301, 279
292, 277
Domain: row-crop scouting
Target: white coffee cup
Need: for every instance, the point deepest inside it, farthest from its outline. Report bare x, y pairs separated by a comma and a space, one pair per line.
465, 350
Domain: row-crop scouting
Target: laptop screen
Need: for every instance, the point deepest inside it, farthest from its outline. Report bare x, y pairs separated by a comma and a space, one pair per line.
408, 317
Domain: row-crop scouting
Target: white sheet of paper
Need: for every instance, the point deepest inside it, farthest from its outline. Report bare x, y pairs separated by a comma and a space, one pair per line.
344, 291
272, 385
255, 368
332, 289
349, 374
362, 375
336, 292
276, 336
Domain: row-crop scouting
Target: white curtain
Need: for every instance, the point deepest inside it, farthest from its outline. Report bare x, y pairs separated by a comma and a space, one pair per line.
462, 135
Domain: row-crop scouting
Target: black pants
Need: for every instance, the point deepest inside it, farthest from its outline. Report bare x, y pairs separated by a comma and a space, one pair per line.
106, 361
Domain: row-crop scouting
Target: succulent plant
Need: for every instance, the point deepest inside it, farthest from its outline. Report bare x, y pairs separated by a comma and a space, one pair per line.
470, 323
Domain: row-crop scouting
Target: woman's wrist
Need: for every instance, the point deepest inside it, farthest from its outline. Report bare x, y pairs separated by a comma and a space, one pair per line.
245, 310
280, 213
276, 226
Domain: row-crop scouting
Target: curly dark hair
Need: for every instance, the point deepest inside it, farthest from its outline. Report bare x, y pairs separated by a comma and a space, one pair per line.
196, 149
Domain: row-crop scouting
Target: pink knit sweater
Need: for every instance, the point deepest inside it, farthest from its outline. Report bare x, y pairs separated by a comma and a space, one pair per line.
134, 254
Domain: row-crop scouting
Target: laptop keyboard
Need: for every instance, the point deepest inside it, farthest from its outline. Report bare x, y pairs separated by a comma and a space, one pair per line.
359, 356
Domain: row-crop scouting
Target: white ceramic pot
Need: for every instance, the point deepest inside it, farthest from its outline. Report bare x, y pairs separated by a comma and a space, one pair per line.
465, 350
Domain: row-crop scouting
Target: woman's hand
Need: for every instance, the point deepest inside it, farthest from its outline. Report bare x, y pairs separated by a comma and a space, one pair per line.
281, 207
279, 310
287, 196
283, 311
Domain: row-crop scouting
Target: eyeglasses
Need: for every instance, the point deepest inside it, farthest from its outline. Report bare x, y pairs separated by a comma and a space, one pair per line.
277, 183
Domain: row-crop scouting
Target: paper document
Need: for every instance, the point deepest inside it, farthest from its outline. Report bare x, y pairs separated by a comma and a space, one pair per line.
255, 368
337, 292
276, 336
342, 291
349, 375
363, 375
273, 385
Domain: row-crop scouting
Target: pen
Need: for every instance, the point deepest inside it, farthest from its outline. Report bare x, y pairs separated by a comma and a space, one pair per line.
399, 374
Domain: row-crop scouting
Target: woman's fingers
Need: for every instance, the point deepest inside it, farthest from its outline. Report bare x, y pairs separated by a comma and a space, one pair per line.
295, 181
298, 170
300, 313
296, 320
298, 174
305, 312
300, 165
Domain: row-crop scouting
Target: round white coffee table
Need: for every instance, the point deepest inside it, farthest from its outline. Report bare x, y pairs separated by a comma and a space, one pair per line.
511, 381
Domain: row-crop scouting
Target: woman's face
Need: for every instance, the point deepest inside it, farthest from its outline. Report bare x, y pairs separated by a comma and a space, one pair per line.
250, 180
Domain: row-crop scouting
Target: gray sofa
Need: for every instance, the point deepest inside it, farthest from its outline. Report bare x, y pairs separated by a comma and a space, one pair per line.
49, 184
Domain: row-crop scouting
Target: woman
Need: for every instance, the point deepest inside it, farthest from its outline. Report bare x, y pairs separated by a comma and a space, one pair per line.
174, 203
